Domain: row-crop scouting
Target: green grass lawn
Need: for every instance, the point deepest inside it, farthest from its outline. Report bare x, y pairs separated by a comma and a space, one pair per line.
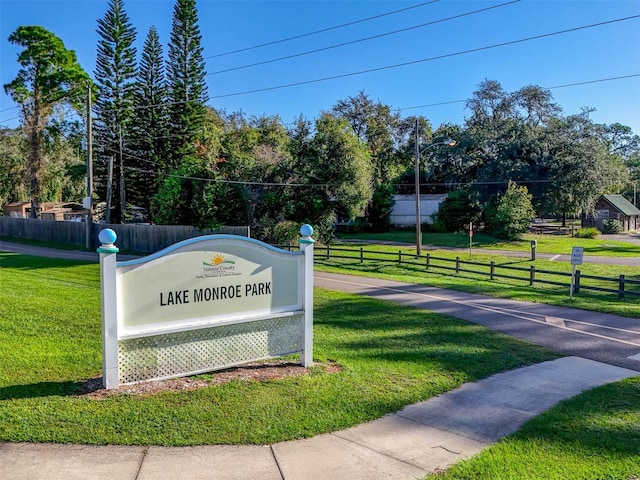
390, 355
595, 435
552, 244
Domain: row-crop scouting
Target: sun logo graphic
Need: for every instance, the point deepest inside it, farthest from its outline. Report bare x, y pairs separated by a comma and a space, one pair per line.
218, 259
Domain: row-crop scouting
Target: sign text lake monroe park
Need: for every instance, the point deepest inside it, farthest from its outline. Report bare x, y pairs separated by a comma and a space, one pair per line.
201, 285
191, 287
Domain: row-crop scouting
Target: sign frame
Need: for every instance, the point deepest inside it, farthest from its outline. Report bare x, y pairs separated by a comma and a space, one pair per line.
191, 307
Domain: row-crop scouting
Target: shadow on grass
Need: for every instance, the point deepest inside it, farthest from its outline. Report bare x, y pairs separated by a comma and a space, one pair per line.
614, 249
40, 389
28, 262
385, 332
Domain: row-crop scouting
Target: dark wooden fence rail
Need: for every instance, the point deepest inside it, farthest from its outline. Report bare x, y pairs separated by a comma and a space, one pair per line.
619, 285
131, 237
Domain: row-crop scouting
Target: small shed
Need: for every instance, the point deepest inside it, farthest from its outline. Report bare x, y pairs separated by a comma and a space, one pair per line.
48, 210
619, 208
23, 209
17, 209
403, 213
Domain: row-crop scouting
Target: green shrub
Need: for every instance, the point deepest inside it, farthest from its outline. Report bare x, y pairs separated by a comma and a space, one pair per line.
286, 233
379, 211
510, 215
590, 232
458, 209
612, 226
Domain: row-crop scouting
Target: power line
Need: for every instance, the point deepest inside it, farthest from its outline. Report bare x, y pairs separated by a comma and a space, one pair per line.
187, 177
594, 81
324, 185
68, 92
360, 40
230, 182
328, 29
427, 105
546, 88
414, 62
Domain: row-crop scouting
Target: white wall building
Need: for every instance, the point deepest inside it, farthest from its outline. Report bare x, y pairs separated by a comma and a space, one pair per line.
403, 213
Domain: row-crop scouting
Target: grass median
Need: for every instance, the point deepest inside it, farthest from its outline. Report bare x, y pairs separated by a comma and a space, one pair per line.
390, 356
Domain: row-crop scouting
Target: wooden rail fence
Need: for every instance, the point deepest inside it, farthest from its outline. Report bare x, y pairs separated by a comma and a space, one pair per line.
619, 285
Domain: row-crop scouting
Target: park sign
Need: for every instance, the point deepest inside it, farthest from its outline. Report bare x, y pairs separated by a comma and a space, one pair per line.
204, 304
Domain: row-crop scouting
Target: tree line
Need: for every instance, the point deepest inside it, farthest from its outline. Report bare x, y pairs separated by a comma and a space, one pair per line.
158, 145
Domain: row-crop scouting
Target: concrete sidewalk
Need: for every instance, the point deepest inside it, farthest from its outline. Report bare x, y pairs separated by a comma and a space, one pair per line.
408, 444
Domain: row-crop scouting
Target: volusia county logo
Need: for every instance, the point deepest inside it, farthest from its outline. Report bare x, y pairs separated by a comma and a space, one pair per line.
218, 259
219, 267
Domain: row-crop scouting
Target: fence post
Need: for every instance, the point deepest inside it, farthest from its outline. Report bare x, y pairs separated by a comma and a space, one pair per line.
457, 265
532, 275
576, 282
328, 253
399, 257
621, 288
428, 260
361, 255
492, 269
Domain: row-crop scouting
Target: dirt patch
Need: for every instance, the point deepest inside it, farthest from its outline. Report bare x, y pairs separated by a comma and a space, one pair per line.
258, 372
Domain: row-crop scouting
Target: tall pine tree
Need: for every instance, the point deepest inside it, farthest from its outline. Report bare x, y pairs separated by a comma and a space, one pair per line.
187, 94
115, 75
185, 80
149, 127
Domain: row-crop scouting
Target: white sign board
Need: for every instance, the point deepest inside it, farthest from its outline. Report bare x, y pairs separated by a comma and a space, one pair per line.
576, 255
203, 304
207, 282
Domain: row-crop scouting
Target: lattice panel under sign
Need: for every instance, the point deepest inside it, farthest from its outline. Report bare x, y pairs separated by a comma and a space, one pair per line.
184, 353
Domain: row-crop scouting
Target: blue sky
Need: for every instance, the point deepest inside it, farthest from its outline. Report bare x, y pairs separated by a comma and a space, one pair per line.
584, 55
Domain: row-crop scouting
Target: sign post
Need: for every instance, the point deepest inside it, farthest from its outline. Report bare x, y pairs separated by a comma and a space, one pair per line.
108, 298
576, 259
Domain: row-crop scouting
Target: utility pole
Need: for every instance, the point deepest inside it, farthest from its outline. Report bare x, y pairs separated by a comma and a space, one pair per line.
122, 196
417, 182
107, 215
89, 203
